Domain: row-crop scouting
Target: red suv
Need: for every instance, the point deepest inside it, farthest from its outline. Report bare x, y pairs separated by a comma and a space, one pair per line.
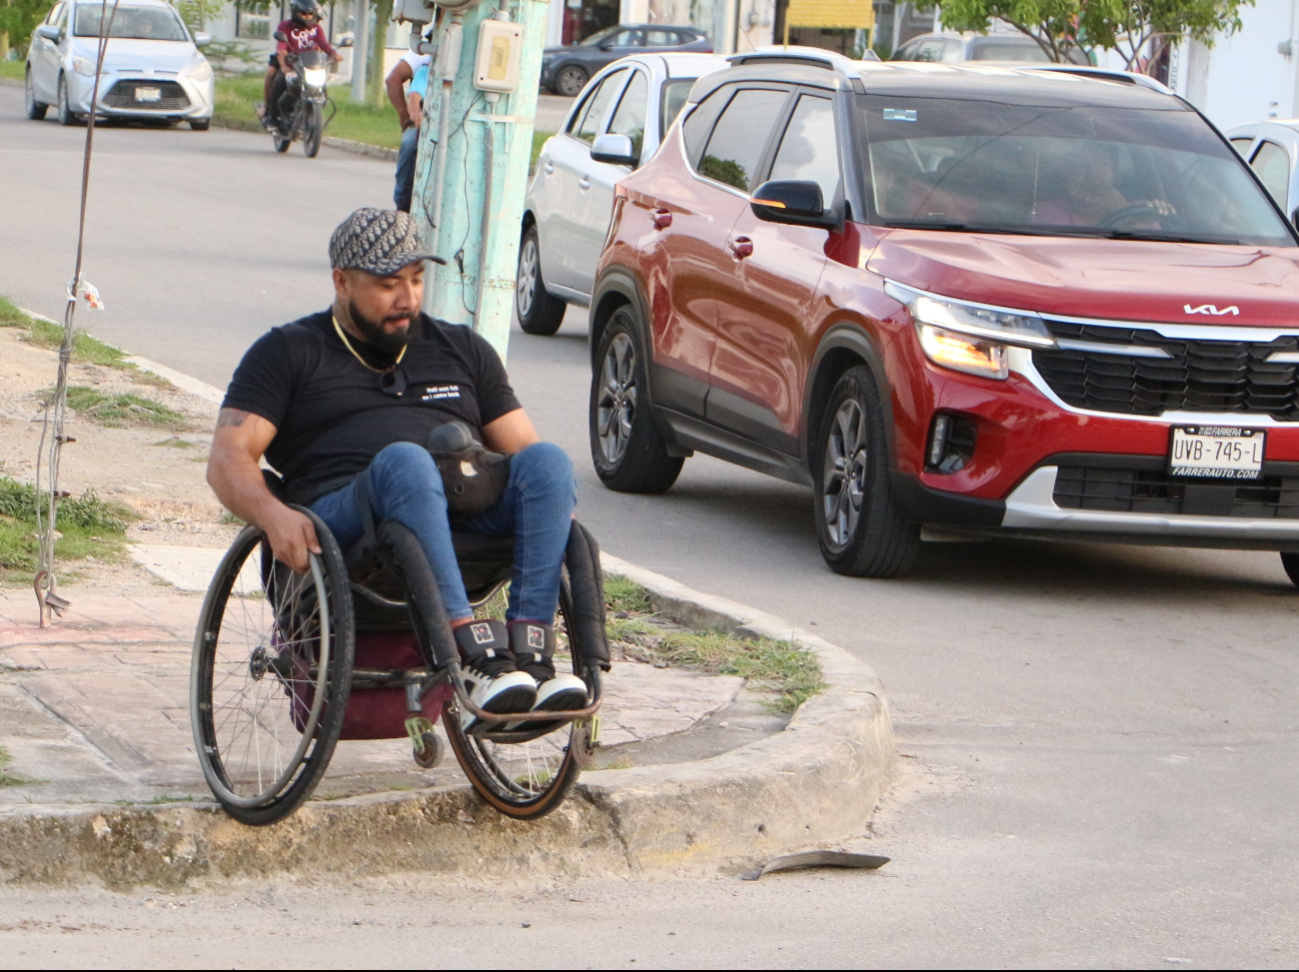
962, 298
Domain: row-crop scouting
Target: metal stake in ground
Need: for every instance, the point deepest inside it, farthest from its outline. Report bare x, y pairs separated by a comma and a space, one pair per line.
45, 583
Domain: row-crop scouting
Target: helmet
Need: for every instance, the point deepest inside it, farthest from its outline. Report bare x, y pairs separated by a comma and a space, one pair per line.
306, 13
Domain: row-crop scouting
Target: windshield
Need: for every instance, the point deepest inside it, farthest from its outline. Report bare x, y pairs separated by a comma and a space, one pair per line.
600, 35
1049, 171
131, 23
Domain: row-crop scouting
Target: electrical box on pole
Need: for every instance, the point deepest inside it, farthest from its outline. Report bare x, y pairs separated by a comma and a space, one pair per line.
475, 148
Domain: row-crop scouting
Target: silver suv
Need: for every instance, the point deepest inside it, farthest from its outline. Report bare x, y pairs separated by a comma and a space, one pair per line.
613, 128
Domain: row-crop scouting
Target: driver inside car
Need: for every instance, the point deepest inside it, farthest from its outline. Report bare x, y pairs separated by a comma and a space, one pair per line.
342, 403
1086, 194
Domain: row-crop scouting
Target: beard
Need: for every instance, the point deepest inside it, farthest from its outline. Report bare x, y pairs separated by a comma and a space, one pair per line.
372, 332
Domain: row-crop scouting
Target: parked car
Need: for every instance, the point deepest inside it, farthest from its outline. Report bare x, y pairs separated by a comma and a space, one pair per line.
566, 211
1271, 148
565, 70
978, 300
951, 47
152, 66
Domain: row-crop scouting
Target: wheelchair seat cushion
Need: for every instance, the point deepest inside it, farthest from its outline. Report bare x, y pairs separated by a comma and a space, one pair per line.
485, 563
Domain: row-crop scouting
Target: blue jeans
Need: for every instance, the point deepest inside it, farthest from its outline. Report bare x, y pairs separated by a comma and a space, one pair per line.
405, 186
536, 508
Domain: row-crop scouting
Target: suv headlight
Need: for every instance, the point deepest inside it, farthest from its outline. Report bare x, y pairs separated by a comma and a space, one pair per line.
969, 337
83, 66
200, 72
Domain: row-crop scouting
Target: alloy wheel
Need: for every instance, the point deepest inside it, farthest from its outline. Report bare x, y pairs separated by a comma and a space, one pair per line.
525, 287
843, 480
570, 82
616, 404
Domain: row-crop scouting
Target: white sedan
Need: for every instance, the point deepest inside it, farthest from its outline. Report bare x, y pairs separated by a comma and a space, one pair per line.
152, 66
1272, 150
568, 206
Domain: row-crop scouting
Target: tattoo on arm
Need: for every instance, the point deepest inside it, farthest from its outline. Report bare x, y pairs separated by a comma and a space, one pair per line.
231, 416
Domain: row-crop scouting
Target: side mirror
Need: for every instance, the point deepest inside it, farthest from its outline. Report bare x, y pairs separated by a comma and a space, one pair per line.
50, 32
345, 42
202, 38
615, 150
792, 202
280, 36
607, 46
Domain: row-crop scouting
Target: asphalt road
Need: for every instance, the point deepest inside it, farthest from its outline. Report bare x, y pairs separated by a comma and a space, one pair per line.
1100, 741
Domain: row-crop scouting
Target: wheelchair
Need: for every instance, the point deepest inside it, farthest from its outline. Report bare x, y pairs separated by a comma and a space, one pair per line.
286, 664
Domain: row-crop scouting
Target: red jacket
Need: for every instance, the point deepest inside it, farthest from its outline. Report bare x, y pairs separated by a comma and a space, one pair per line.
301, 39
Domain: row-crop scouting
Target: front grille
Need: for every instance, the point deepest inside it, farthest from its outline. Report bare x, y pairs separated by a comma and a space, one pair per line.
122, 95
1126, 487
1197, 376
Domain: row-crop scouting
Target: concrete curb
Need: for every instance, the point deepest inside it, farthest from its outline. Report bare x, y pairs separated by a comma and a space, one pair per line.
343, 144
816, 782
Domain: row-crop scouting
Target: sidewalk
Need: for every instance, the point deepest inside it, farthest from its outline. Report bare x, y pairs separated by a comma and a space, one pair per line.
94, 709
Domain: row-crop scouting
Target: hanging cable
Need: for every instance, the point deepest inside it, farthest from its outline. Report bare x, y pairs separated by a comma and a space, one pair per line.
52, 438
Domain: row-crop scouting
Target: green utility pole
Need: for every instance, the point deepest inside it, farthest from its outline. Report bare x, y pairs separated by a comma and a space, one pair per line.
472, 171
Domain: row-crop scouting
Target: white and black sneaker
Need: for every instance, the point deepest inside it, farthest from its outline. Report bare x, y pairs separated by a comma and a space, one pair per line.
491, 675
533, 647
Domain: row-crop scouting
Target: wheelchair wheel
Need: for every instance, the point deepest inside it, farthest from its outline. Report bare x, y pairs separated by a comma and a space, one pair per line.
527, 780
270, 677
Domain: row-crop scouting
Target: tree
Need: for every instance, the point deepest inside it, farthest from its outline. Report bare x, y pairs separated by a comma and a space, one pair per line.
1137, 29
378, 43
1132, 27
1052, 23
18, 18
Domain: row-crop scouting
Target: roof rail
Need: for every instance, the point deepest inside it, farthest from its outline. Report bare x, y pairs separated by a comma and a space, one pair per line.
808, 56
1100, 73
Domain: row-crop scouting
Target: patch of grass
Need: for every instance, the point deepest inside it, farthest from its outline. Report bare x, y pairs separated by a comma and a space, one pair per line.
91, 527
7, 778
175, 442
87, 349
117, 411
621, 594
787, 670
236, 98
228, 519
13, 69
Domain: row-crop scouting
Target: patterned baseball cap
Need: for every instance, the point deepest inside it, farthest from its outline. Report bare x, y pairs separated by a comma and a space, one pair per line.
378, 241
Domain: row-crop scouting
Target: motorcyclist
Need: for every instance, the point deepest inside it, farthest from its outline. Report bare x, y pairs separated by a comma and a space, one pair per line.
303, 32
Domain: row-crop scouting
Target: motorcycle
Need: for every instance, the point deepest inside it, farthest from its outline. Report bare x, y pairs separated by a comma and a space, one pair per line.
301, 107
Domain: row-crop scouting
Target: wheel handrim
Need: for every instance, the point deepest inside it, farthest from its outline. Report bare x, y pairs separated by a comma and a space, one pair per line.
526, 776
615, 407
269, 673
843, 480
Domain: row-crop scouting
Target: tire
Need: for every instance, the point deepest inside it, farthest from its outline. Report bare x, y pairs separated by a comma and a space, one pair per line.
527, 780
1290, 561
570, 80
312, 129
540, 312
67, 117
859, 528
200, 124
281, 142
270, 676
627, 448
35, 109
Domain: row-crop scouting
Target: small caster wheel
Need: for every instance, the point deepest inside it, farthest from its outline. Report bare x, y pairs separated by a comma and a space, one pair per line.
431, 754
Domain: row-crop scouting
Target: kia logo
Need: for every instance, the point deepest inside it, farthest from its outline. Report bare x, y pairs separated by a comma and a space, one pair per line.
1212, 310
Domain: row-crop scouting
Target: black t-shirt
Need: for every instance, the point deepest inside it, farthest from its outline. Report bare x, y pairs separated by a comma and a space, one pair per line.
331, 415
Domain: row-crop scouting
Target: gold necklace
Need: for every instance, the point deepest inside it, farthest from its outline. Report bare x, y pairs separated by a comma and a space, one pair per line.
348, 344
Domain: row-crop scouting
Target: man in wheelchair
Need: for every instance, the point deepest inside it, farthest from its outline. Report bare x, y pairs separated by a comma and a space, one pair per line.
342, 403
